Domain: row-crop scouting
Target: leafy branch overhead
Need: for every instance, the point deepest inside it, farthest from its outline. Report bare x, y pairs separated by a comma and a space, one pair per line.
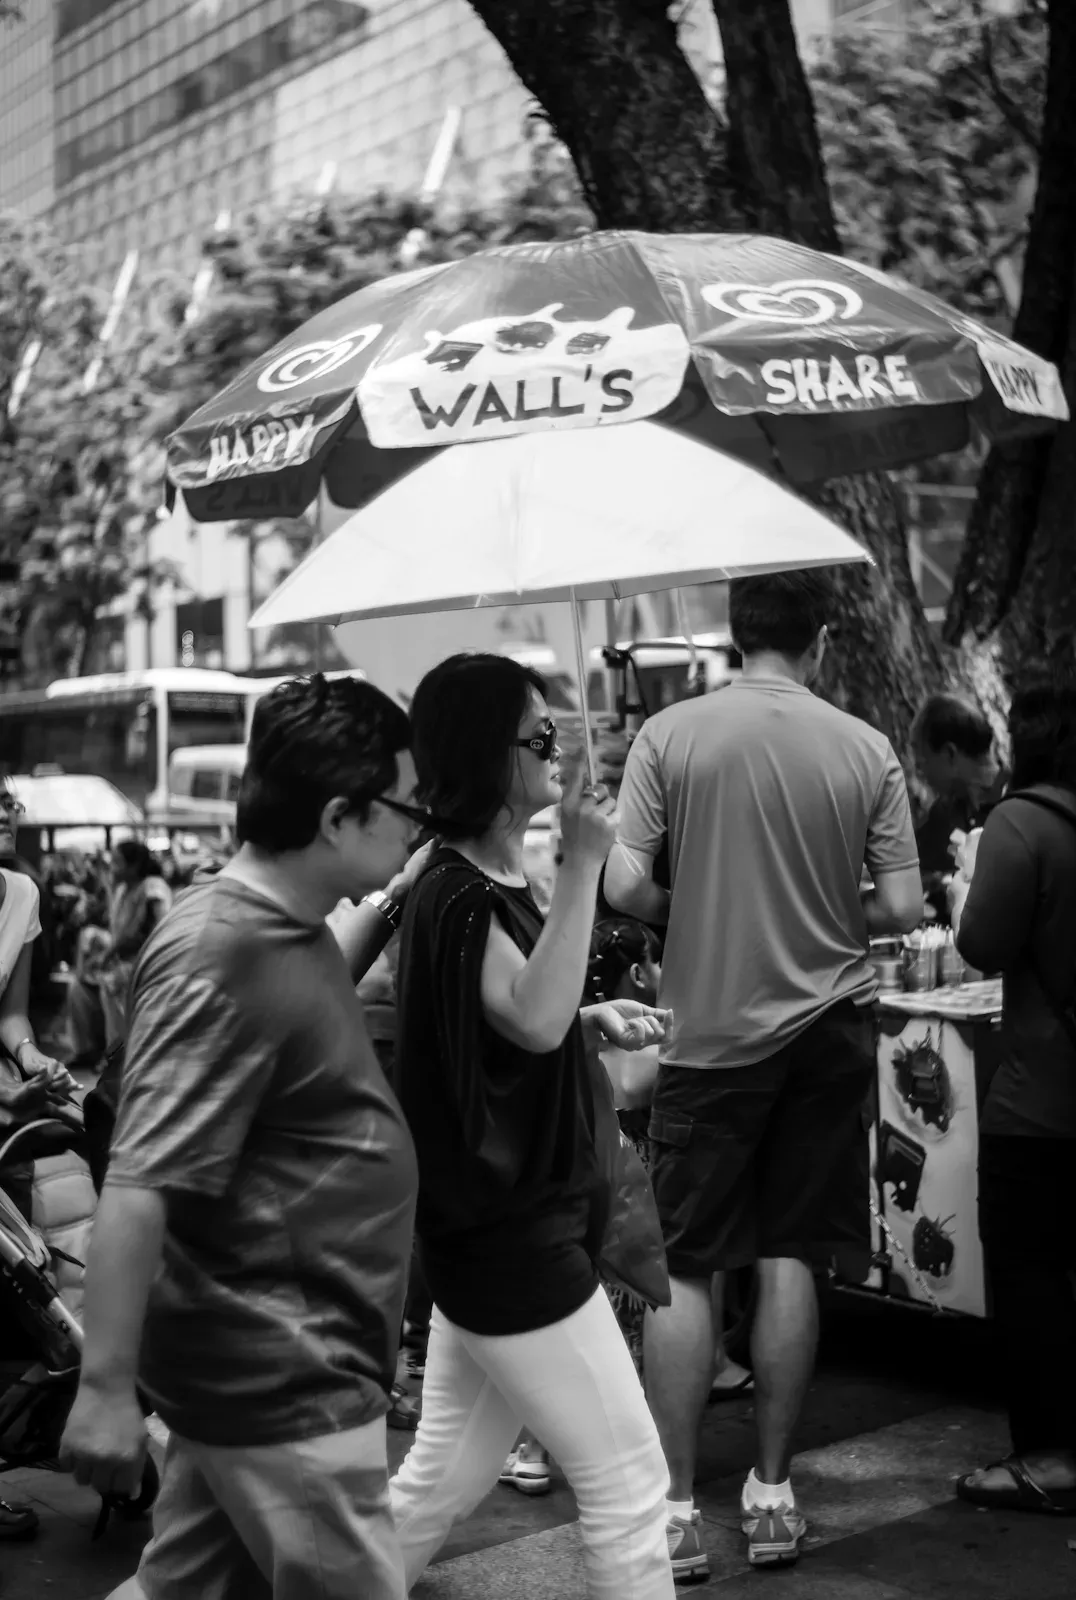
77, 484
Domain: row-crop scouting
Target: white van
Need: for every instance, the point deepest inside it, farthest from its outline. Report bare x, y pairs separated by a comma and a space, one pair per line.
203, 784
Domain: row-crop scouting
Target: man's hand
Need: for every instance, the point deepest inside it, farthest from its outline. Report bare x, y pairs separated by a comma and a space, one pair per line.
627, 1024
104, 1443
405, 881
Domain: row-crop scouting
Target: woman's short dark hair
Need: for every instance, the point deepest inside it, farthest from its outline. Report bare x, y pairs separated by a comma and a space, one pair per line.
616, 944
465, 718
136, 855
313, 740
780, 611
947, 719
1042, 728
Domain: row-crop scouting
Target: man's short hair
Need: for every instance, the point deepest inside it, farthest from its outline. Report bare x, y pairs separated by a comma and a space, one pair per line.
780, 611
947, 719
313, 740
1042, 727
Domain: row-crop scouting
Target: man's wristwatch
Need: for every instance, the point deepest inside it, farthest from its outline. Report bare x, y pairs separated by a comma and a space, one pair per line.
387, 907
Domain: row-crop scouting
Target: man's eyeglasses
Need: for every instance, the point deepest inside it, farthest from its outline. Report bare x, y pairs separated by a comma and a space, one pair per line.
420, 815
10, 805
543, 743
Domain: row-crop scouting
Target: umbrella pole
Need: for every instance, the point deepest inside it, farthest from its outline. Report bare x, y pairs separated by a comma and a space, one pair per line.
683, 622
581, 675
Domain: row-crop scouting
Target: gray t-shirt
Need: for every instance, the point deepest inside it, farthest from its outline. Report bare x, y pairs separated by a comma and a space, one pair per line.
773, 802
252, 1098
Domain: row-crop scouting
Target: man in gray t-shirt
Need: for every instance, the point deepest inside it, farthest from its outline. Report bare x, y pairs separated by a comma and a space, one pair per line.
773, 804
251, 1248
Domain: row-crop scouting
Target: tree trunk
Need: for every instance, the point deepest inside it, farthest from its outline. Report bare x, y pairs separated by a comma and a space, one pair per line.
1014, 587
774, 152
884, 658
652, 154
620, 94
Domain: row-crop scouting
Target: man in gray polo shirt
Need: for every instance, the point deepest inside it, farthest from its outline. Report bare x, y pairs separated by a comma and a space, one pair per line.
772, 803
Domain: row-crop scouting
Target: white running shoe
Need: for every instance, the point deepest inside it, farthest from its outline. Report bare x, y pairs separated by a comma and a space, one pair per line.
686, 1552
529, 1477
773, 1534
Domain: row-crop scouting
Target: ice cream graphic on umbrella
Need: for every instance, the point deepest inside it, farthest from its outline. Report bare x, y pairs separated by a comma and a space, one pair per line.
518, 373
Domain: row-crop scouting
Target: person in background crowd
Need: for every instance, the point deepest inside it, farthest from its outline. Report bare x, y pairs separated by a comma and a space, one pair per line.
97, 995
1018, 917
956, 757
250, 1250
43, 955
32, 1084
140, 898
495, 1083
772, 801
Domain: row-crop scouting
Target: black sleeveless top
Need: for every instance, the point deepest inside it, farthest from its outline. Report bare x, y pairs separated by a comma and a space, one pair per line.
510, 1210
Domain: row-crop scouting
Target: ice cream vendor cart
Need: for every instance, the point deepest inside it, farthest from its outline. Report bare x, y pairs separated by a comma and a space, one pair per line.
937, 1052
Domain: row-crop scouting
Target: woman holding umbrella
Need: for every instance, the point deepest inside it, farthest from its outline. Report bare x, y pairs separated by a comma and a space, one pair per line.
493, 1078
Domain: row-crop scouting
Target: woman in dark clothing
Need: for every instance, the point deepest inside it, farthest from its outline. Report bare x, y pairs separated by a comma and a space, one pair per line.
493, 1078
1018, 917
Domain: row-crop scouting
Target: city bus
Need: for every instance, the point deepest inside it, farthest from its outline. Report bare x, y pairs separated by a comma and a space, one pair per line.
125, 726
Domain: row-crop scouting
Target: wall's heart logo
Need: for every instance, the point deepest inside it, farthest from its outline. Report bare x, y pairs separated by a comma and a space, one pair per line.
802, 302
314, 360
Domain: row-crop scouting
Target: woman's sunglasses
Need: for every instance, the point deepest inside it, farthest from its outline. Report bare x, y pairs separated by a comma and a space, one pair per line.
543, 743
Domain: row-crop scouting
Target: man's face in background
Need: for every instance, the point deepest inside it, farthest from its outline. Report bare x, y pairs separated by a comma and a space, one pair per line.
952, 774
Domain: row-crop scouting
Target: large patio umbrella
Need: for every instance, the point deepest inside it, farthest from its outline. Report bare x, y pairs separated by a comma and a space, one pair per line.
566, 516
806, 365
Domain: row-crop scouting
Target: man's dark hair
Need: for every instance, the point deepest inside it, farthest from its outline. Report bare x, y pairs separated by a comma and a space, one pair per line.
781, 611
465, 717
1042, 727
138, 856
311, 741
947, 719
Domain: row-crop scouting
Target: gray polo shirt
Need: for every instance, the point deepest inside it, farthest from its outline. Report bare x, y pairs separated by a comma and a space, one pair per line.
773, 802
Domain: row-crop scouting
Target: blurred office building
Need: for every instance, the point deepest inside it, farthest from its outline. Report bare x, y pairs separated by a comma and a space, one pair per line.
138, 122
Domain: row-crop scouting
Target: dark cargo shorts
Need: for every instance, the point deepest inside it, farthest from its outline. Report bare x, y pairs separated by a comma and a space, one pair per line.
769, 1160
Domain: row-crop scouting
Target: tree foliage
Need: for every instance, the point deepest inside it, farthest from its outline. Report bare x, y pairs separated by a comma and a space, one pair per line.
75, 482
931, 146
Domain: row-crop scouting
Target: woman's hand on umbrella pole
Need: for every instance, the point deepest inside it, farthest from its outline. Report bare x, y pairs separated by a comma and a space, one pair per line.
588, 821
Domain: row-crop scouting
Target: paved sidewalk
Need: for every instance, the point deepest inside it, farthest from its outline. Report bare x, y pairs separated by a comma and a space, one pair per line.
884, 1526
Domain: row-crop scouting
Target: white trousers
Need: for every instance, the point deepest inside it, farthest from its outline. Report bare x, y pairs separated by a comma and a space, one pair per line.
574, 1386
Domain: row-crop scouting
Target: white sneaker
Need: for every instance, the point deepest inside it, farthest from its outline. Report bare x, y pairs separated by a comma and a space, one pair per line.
529, 1477
686, 1552
773, 1533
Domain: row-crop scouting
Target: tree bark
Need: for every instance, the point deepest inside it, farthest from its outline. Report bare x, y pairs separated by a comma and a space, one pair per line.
620, 94
651, 153
1015, 576
884, 658
774, 152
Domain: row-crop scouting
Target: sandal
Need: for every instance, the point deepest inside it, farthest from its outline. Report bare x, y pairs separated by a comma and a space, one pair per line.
405, 1411
17, 1521
1025, 1494
732, 1391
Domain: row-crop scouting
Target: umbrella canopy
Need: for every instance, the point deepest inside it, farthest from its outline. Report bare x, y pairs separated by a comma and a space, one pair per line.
806, 365
556, 516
